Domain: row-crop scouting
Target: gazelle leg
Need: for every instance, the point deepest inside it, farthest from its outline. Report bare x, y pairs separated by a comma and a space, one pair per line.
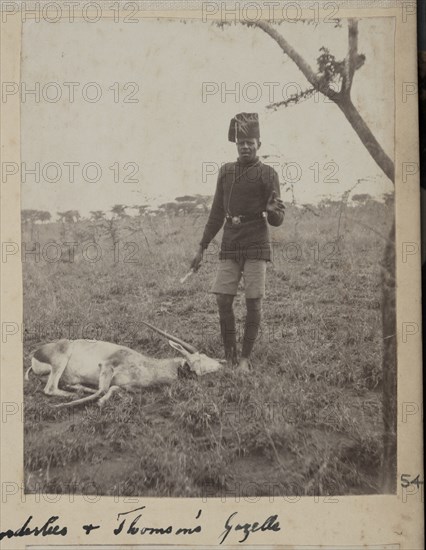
77, 387
113, 389
56, 372
105, 376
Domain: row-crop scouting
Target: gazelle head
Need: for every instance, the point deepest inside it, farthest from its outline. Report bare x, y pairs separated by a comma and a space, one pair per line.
197, 362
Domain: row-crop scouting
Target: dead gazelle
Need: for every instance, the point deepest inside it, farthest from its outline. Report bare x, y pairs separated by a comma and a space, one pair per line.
84, 364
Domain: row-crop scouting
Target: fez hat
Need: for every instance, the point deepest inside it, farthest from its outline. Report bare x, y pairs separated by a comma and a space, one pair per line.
244, 125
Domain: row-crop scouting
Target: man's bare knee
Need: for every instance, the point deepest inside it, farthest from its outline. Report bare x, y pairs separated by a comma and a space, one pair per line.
254, 304
224, 301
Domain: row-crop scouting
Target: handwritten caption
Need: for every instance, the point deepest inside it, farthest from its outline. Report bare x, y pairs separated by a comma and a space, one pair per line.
132, 522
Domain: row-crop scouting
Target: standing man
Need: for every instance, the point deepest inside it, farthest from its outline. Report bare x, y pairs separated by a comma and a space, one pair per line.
247, 198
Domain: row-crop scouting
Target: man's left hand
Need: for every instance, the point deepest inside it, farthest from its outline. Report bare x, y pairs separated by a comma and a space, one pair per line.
275, 204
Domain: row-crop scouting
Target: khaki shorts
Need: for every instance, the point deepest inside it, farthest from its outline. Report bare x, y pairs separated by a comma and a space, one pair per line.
230, 272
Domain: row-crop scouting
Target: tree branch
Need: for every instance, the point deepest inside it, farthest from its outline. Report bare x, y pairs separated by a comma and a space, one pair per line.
351, 58
301, 63
289, 50
367, 138
352, 62
292, 99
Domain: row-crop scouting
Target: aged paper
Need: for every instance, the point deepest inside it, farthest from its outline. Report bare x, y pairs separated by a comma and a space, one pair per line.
114, 133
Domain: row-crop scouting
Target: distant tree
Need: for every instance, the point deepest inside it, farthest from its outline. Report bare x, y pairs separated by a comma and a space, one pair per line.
74, 215
28, 215
201, 209
185, 198
171, 208
328, 203
98, 218
69, 216
111, 228
97, 215
362, 198
187, 207
120, 229
205, 201
190, 203
141, 208
44, 216
119, 210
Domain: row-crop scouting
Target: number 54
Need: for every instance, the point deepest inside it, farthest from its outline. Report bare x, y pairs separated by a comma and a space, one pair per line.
406, 482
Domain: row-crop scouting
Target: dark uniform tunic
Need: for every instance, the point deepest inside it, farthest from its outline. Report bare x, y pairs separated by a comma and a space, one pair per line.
243, 189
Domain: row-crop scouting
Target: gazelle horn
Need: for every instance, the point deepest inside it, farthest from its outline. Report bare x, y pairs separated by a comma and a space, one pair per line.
188, 347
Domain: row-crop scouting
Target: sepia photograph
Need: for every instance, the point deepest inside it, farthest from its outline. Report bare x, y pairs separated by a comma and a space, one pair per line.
210, 275
207, 213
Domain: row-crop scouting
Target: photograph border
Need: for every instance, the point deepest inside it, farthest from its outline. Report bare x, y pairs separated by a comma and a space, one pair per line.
340, 521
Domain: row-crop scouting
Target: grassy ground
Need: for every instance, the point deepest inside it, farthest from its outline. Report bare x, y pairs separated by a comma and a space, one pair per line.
306, 421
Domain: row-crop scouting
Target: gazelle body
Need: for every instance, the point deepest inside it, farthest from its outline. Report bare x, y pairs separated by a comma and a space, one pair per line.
88, 364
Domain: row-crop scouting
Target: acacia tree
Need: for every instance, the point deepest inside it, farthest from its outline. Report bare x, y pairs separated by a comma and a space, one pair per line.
97, 215
119, 210
44, 216
29, 217
185, 198
141, 208
69, 216
334, 79
171, 208
362, 198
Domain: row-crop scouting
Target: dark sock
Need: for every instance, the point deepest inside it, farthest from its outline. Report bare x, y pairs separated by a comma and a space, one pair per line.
227, 325
251, 329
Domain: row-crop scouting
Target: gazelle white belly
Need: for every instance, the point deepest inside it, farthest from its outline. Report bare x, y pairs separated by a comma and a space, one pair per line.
88, 356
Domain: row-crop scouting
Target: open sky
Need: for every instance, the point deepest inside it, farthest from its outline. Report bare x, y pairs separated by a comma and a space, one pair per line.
173, 133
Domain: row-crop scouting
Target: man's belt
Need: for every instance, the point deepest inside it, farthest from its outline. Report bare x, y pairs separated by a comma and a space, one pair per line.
237, 220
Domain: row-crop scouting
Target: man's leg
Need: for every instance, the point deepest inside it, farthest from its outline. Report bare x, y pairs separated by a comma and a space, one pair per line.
251, 329
254, 282
227, 327
225, 287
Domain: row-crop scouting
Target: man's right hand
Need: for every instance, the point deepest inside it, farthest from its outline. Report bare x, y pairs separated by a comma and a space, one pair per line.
198, 258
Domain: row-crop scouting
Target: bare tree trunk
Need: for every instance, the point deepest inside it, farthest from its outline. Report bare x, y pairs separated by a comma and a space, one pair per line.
389, 367
366, 136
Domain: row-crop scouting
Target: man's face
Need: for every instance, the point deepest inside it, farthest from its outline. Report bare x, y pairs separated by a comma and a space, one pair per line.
247, 149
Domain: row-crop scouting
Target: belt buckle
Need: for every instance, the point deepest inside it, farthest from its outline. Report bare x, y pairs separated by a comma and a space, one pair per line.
236, 220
